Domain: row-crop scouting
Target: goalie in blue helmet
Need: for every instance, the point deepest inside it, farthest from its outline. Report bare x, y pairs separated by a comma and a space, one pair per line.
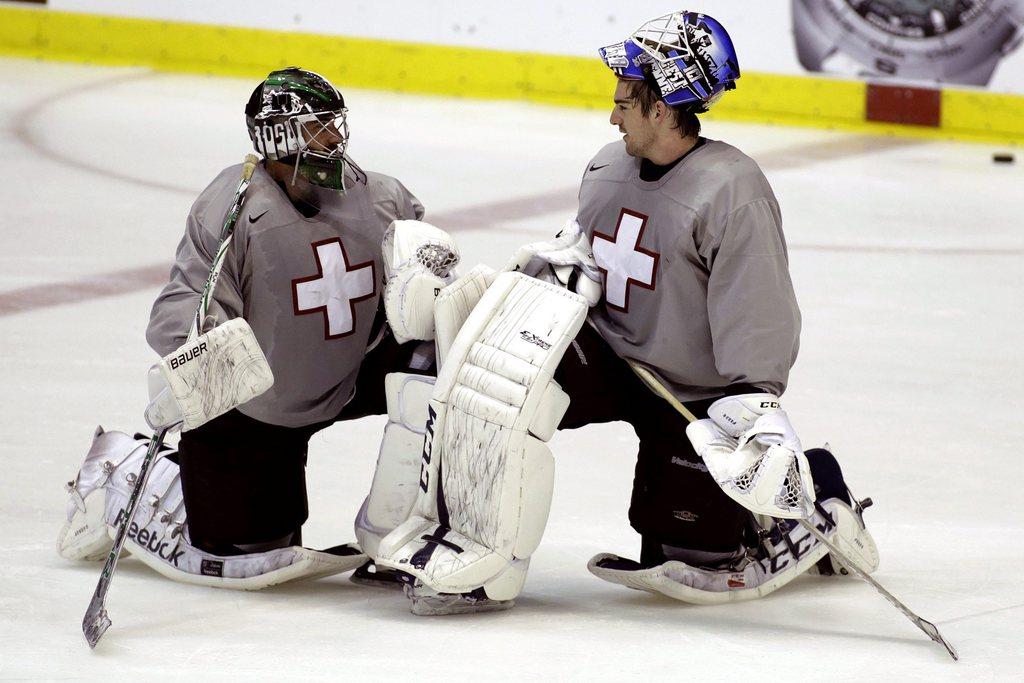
678, 238
687, 235
689, 57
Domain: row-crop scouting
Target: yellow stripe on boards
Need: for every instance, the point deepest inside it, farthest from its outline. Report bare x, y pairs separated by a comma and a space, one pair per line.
796, 100
978, 115
467, 72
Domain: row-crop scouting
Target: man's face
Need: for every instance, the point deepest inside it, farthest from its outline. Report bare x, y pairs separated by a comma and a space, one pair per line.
326, 138
627, 117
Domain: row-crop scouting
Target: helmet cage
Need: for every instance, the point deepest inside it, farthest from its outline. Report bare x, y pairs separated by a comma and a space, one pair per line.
324, 164
689, 56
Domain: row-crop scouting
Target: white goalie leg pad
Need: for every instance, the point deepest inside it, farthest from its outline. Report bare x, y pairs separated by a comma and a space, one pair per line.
790, 552
397, 477
158, 534
84, 535
853, 538
207, 377
497, 594
251, 572
454, 304
487, 473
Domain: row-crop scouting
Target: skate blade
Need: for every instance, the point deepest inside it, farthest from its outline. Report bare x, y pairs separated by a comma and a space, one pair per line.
427, 607
378, 578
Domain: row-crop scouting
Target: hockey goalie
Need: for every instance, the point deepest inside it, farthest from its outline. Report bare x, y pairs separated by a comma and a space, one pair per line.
288, 337
672, 289
464, 478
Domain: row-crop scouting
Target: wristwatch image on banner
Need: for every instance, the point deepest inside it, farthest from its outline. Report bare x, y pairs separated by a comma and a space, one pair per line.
945, 41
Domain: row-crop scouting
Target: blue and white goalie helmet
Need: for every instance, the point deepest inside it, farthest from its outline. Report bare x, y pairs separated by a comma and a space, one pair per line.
689, 55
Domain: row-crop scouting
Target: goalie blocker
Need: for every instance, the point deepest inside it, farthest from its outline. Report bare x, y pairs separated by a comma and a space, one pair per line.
207, 376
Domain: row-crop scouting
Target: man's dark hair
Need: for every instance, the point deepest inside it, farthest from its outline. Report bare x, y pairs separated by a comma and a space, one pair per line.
645, 94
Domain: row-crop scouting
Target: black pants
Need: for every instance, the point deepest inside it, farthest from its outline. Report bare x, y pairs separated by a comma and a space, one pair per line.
674, 501
244, 481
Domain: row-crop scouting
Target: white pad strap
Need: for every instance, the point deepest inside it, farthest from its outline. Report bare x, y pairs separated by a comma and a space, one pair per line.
487, 473
207, 377
397, 477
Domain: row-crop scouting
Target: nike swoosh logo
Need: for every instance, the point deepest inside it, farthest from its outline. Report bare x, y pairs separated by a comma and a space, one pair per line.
253, 220
594, 168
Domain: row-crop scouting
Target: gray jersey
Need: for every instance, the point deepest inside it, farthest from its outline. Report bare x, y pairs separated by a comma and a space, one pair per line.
309, 287
697, 284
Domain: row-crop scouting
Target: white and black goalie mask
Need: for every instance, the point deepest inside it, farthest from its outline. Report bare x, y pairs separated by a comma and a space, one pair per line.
297, 117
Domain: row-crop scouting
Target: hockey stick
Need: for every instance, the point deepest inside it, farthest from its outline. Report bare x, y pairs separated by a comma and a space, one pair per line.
926, 626
96, 622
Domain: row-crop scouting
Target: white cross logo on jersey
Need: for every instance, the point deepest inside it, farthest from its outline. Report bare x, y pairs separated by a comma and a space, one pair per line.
335, 288
622, 260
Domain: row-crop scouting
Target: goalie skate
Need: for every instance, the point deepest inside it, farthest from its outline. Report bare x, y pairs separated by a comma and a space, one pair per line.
369, 574
427, 602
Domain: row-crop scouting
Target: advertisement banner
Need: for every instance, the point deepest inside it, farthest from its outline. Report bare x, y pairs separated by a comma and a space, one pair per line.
942, 42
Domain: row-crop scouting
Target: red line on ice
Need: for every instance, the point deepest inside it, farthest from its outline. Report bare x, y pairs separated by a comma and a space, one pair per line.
113, 283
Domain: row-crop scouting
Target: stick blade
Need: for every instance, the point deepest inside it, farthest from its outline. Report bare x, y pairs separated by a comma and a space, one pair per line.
95, 623
933, 633
927, 627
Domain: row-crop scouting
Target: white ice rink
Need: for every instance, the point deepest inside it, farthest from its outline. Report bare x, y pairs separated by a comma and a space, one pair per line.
907, 258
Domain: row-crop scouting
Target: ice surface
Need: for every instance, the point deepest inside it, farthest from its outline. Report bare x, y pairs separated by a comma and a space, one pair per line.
907, 259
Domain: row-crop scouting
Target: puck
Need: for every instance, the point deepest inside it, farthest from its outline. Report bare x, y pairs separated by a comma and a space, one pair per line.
1002, 158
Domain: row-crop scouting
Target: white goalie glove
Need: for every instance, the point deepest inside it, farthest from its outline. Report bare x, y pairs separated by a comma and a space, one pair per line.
418, 262
752, 451
566, 260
